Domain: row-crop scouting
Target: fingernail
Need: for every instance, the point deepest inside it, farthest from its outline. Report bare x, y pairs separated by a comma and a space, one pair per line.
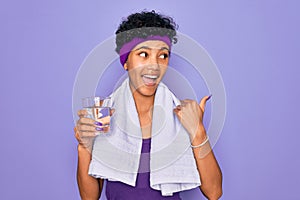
178, 107
98, 123
209, 97
99, 129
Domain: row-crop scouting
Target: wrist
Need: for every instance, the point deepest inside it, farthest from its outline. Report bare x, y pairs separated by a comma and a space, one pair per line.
82, 149
200, 136
201, 144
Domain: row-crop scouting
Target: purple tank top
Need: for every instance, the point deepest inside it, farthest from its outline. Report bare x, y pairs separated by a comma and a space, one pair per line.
116, 190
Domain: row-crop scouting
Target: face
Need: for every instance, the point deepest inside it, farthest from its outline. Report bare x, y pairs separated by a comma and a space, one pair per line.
146, 64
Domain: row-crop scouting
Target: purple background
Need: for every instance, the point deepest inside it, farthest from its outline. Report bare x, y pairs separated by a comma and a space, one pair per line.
255, 45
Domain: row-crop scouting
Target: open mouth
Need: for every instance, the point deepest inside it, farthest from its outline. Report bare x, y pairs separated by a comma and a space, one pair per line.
149, 80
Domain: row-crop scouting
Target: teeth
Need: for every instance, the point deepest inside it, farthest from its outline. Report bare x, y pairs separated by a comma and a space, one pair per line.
151, 76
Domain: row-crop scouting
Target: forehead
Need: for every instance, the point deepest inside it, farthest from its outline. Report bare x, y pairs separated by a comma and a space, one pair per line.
152, 44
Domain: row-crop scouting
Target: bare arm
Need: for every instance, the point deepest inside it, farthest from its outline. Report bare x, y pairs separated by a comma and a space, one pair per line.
190, 114
208, 168
89, 187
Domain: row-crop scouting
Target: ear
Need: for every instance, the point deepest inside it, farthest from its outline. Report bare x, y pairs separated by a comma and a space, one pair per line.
125, 66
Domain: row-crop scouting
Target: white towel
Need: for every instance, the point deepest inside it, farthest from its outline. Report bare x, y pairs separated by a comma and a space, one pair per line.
116, 155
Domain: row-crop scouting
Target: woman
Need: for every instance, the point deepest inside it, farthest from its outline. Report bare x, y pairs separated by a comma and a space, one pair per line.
144, 45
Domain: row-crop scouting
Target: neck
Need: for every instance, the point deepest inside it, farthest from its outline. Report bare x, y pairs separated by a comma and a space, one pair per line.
143, 103
144, 107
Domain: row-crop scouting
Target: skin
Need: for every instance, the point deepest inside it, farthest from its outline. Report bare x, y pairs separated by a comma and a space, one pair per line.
151, 58
147, 58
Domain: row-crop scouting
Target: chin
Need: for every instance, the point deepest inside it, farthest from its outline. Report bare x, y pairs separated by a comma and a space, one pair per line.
147, 91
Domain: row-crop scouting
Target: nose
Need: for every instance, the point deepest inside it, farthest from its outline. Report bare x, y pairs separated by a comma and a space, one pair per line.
153, 63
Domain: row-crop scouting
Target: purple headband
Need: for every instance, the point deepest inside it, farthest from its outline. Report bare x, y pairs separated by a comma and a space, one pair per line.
127, 47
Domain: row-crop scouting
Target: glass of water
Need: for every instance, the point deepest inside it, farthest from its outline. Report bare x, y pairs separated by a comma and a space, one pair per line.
98, 108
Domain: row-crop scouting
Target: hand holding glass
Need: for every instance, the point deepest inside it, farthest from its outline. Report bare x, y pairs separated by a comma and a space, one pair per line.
98, 108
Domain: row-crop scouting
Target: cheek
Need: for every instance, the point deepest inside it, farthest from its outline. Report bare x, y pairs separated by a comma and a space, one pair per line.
163, 71
164, 62
135, 63
134, 72
164, 65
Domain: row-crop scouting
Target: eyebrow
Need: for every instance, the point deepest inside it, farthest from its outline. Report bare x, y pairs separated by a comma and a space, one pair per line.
146, 47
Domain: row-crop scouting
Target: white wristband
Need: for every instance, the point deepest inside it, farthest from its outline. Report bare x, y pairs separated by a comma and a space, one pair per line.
203, 143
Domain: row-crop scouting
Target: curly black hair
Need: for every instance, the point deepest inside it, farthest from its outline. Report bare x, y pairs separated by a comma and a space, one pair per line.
145, 24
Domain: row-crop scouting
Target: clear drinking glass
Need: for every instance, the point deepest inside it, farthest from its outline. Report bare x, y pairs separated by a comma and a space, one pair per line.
98, 108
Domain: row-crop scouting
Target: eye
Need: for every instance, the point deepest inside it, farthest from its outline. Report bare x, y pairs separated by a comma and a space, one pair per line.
164, 56
143, 54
